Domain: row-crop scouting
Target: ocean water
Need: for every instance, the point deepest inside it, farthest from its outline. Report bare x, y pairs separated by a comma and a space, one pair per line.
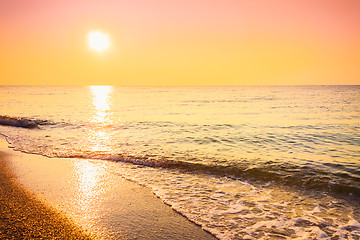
242, 162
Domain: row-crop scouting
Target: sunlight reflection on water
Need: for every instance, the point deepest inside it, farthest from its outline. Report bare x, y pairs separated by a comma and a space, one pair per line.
88, 178
102, 102
101, 96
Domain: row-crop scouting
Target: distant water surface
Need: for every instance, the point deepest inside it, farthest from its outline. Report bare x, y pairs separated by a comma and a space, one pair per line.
248, 144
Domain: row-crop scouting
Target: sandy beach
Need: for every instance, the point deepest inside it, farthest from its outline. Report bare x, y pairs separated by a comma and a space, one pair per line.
58, 198
25, 217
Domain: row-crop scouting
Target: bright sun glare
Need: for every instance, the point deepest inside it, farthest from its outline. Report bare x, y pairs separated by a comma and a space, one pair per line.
98, 41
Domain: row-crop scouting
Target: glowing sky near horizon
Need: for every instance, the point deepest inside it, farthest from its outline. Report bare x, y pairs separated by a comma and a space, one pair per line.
188, 42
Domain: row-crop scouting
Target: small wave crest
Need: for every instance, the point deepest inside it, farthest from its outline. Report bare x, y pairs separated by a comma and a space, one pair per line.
17, 122
268, 172
22, 122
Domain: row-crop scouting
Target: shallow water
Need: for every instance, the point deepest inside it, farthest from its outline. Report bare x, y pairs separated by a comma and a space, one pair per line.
240, 161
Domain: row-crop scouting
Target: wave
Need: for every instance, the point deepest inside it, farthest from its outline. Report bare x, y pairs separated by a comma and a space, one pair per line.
17, 122
23, 122
320, 177
305, 178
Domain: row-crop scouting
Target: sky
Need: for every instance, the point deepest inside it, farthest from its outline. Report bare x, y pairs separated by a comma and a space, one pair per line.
181, 43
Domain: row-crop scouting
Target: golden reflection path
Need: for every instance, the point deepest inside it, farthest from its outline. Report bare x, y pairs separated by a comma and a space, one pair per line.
101, 118
101, 100
89, 178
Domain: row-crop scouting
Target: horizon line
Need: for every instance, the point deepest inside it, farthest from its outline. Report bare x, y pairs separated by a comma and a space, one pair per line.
167, 86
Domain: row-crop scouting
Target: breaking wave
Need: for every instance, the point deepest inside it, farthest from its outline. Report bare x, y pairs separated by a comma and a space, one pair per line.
18, 122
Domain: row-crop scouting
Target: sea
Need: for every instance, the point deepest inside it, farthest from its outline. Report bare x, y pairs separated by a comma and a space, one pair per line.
243, 162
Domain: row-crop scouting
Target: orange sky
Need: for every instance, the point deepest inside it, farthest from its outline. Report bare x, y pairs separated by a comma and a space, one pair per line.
188, 42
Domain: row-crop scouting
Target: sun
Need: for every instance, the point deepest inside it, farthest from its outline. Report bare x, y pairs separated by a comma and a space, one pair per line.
98, 41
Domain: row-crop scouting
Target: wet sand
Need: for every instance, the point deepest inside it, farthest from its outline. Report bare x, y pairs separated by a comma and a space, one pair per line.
22, 216
82, 194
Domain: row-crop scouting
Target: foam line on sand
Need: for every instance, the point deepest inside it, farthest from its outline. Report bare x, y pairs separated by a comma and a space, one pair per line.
92, 197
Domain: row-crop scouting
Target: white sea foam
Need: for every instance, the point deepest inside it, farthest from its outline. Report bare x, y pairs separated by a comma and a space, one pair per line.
233, 209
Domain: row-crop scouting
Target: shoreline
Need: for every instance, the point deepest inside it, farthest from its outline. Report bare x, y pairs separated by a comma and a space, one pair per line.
102, 203
24, 217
